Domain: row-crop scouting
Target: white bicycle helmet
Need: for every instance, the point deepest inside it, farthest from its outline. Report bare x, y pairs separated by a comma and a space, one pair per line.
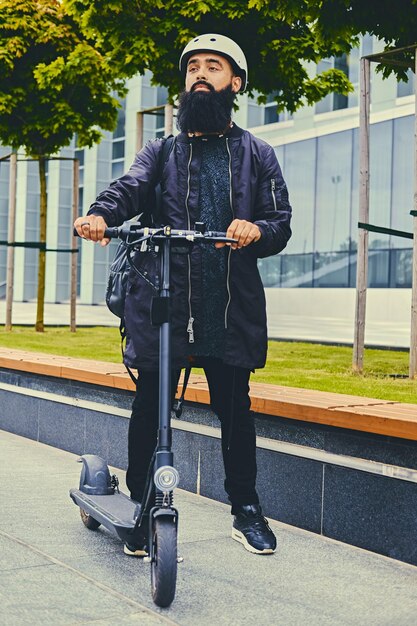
221, 45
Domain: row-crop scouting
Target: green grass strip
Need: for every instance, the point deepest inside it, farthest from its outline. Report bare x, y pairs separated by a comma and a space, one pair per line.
293, 364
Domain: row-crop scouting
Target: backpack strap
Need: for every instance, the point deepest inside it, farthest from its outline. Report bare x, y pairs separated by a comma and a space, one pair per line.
151, 219
167, 149
163, 158
122, 331
178, 404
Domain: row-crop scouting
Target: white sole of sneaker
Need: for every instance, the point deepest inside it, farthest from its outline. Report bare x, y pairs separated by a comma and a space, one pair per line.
139, 553
240, 537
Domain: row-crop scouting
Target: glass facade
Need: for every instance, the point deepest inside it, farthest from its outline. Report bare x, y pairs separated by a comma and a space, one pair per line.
333, 101
31, 231
319, 164
322, 250
406, 88
4, 211
349, 64
114, 148
64, 233
264, 114
118, 143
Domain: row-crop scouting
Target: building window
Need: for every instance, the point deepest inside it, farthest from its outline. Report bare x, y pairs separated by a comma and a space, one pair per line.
322, 177
255, 113
118, 143
349, 64
333, 101
263, 114
119, 131
161, 99
271, 115
406, 88
79, 154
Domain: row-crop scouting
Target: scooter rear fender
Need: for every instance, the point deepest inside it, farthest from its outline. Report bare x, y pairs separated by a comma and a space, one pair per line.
95, 477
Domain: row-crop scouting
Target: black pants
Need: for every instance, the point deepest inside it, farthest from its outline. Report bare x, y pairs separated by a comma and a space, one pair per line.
229, 394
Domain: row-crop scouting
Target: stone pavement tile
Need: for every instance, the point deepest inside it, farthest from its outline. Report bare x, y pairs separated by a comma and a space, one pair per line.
310, 580
131, 618
54, 595
15, 556
55, 523
201, 522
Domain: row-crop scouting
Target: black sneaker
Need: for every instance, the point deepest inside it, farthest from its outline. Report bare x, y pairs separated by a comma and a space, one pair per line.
252, 530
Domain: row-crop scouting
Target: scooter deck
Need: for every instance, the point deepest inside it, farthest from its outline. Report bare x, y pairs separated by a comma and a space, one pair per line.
116, 512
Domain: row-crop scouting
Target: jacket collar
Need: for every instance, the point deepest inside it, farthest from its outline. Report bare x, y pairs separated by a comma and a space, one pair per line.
235, 131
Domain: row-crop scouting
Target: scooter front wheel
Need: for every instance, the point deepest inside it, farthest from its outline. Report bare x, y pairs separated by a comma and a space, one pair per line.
88, 521
164, 563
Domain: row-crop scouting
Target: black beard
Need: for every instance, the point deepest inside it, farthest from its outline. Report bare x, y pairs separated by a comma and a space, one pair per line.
205, 111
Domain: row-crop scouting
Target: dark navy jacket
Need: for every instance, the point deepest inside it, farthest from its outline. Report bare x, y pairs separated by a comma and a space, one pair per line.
258, 194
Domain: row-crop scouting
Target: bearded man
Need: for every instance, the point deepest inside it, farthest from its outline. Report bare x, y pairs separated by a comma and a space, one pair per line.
223, 176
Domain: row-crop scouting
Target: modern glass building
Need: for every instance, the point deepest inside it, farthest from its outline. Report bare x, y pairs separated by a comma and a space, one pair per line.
317, 148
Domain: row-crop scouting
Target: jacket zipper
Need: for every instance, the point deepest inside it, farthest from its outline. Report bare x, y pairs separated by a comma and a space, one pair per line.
190, 325
230, 249
274, 200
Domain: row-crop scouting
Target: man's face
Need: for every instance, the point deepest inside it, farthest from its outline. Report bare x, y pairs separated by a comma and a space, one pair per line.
212, 69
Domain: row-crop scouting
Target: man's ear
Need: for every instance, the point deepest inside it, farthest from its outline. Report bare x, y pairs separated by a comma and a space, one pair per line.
236, 83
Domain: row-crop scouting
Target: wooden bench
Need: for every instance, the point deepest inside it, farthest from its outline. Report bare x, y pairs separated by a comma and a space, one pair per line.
382, 417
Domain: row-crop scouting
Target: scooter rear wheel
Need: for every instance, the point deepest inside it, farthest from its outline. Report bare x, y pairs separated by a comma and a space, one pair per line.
164, 564
88, 521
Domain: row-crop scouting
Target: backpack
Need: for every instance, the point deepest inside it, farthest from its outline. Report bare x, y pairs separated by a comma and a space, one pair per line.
120, 268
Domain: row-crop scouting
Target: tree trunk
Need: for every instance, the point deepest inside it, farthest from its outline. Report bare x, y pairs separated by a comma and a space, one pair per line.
39, 327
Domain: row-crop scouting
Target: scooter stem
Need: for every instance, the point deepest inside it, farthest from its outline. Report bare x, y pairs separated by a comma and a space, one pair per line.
165, 431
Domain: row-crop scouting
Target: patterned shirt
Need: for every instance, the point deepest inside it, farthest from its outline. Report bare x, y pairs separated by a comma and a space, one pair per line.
216, 214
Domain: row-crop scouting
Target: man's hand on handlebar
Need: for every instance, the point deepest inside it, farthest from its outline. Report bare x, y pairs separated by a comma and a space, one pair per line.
245, 232
92, 227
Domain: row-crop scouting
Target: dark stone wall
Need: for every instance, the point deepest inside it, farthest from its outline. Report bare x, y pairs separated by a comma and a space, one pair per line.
374, 512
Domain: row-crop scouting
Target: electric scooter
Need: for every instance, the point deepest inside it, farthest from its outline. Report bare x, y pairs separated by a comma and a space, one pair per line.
100, 500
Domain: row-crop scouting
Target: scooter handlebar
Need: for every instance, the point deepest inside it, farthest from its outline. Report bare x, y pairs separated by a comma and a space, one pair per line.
134, 232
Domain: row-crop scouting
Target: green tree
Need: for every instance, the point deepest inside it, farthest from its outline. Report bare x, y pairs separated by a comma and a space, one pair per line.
277, 37
53, 83
394, 23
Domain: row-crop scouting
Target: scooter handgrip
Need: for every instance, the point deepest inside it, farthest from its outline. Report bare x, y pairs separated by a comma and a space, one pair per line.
111, 233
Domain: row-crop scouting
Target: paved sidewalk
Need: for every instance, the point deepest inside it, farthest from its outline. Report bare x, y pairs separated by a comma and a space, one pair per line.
55, 571
59, 314
299, 327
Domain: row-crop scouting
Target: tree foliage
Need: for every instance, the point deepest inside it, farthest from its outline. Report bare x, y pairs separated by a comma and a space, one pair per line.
277, 37
53, 82
394, 23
